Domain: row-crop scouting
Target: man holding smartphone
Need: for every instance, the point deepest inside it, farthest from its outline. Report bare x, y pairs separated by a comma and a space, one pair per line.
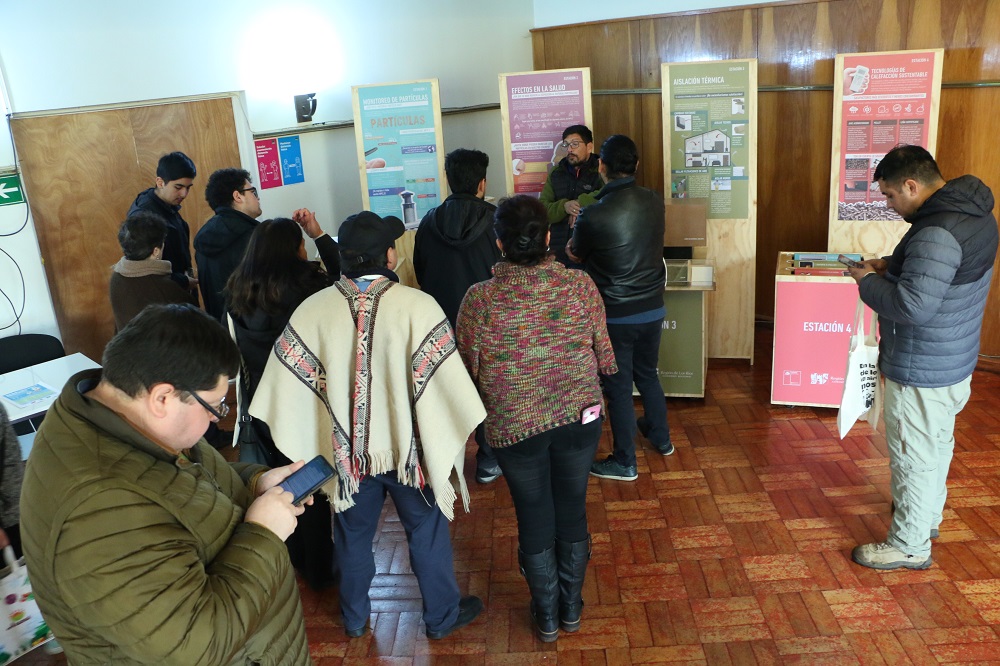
930, 295
144, 544
366, 373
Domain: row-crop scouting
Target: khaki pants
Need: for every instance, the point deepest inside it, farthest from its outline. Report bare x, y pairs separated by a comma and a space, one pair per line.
920, 429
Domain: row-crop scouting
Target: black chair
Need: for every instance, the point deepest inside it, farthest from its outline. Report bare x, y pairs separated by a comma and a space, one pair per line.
23, 351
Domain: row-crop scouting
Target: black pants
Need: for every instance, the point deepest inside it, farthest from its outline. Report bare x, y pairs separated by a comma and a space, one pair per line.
310, 546
547, 475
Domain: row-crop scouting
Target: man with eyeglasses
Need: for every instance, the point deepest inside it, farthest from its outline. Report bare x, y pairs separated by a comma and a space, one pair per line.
175, 174
220, 243
144, 544
572, 184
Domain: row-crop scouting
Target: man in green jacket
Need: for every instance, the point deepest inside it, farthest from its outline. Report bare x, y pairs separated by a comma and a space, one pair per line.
571, 185
144, 544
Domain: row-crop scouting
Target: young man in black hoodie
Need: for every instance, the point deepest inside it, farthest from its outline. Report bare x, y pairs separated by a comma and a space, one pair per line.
455, 247
220, 243
175, 174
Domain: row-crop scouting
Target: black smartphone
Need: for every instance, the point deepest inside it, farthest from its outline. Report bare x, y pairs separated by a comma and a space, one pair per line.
308, 480
847, 261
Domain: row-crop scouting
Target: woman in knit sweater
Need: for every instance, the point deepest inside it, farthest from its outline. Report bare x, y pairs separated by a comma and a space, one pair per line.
272, 279
534, 340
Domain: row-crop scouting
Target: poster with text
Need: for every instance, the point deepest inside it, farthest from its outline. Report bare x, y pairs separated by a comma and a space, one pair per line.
397, 128
885, 99
268, 168
706, 114
535, 108
290, 151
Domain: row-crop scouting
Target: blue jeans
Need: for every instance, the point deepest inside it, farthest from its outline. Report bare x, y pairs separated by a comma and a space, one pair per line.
547, 476
430, 551
637, 351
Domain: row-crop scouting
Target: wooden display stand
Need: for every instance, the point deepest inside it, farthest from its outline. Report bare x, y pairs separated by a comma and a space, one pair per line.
893, 99
710, 151
683, 362
813, 317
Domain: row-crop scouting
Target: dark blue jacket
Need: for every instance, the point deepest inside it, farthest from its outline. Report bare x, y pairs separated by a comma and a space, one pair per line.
218, 248
932, 298
177, 247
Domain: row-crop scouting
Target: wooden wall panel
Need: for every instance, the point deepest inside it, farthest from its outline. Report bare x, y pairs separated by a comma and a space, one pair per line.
611, 50
961, 149
721, 35
968, 29
793, 186
76, 190
83, 170
796, 44
799, 42
205, 131
651, 143
618, 114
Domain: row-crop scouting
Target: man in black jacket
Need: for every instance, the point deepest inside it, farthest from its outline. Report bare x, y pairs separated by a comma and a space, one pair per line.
455, 247
930, 295
619, 240
220, 243
572, 184
175, 174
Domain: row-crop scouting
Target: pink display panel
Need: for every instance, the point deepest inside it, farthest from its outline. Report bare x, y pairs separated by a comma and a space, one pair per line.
813, 323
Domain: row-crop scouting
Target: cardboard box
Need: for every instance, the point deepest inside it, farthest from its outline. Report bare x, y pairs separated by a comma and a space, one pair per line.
685, 222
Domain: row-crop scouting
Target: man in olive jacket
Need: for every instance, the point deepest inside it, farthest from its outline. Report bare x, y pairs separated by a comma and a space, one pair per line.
144, 545
571, 185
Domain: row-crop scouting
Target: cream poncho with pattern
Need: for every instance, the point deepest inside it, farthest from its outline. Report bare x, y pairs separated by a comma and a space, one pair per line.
372, 381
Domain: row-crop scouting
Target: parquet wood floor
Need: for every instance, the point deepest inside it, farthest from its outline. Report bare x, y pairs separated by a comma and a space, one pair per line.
734, 550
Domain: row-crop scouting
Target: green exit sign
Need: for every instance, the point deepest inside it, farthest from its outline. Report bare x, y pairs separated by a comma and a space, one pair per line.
10, 190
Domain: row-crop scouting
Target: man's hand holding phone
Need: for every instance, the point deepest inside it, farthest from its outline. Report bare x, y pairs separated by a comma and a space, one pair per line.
274, 508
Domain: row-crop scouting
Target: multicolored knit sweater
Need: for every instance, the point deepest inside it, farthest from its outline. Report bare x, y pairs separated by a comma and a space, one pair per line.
534, 339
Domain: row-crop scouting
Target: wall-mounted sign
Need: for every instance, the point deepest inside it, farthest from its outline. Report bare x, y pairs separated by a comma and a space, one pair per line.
535, 108
268, 164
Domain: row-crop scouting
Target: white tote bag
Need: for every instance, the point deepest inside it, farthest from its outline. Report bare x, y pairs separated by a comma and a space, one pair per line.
22, 627
862, 399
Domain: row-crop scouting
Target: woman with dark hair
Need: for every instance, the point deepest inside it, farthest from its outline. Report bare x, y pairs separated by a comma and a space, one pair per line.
272, 279
534, 340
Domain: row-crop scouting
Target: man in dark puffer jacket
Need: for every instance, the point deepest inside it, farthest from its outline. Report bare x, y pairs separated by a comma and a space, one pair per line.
930, 295
455, 247
220, 243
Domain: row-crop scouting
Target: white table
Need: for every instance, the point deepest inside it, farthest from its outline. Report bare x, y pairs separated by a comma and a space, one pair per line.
53, 374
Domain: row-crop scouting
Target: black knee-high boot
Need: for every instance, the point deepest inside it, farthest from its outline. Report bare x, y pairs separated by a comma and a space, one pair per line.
571, 561
539, 570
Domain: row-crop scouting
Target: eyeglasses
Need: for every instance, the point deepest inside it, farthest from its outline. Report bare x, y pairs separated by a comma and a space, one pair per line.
219, 413
252, 190
571, 144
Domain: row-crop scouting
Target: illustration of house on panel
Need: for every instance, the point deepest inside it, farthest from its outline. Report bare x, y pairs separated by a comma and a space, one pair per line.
708, 149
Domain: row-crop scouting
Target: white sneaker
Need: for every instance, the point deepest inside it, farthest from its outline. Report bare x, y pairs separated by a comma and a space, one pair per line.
883, 556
